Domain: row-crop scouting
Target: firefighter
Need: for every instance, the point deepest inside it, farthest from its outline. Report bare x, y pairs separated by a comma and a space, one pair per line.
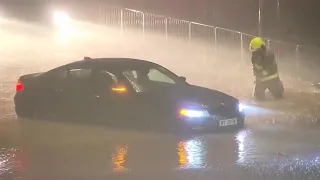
265, 70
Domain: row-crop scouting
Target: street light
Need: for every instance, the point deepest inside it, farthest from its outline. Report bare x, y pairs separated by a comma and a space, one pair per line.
61, 18
64, 26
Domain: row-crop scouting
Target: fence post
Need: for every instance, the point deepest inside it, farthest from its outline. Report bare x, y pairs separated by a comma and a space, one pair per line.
298, 54
121, 22
298, 60
100, 15
166, 28
215, 42
143, 25
241, 44
189, 33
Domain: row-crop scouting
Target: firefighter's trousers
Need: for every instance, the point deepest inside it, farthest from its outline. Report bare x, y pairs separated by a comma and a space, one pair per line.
275, 86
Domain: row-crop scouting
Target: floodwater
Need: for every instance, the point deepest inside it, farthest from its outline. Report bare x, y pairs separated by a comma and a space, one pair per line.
280, 140
265, 149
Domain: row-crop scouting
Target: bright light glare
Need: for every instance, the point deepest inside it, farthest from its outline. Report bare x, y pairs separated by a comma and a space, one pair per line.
241, 138
191, 154
65, 27
194, 113
61, 18
241, 107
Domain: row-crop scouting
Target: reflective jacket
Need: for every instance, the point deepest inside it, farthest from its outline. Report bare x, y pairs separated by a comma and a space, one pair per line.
264, 65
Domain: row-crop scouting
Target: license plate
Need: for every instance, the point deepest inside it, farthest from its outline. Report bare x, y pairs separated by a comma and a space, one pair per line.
228, 122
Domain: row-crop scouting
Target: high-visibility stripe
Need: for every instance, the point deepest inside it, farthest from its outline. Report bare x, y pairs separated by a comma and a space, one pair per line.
270, 77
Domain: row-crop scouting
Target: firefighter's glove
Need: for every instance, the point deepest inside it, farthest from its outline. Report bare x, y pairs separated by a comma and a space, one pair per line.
264, 73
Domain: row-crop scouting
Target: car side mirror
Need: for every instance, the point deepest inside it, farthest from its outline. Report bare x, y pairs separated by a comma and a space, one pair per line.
183, 78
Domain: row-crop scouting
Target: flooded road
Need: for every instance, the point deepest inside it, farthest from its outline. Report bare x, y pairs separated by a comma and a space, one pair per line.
280, 140
271, 150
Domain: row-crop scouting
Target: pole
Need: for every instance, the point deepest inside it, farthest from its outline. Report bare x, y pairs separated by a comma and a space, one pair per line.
190, 31
121, 22
166, 28
278, 10
278, 16
259, 18
216, 43
143, 26
241, 44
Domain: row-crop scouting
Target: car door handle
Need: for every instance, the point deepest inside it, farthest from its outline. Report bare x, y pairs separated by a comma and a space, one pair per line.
58, 90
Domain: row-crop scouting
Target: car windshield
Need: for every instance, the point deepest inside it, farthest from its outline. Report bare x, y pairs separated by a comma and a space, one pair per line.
147, 78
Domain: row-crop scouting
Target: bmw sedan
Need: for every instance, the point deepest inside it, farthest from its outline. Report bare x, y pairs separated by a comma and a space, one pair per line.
124, 92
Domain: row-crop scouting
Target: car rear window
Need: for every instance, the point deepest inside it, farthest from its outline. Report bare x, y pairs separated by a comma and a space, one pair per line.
59, 73
80, 73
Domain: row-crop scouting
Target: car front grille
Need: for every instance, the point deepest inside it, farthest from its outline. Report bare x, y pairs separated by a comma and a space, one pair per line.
222, 112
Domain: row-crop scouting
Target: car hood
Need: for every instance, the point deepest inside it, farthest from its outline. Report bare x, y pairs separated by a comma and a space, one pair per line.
189, 95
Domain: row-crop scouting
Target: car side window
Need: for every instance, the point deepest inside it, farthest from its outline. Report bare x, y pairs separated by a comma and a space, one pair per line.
102, 81
156, 75
78, 79
107, 78
80, 73
59, 73
132, 76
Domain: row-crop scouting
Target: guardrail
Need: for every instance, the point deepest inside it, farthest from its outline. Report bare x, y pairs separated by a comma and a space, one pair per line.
303, 60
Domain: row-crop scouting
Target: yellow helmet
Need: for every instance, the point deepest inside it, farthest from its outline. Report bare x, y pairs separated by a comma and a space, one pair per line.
256, 43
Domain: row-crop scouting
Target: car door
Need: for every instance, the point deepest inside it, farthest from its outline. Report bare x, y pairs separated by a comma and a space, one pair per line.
49, 93
111, 98
76, 95
151, 104
144, 103
89, 98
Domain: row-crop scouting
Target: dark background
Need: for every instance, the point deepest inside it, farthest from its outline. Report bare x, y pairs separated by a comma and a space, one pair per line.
298, 22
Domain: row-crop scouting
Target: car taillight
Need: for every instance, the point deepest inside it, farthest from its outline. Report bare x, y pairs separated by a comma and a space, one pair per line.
19, 86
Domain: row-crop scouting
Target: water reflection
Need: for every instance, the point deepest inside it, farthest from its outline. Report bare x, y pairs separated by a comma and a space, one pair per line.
191, 154
119, 158
241, 138
11, 163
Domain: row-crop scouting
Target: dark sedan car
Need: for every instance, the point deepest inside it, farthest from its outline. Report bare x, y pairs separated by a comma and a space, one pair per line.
126, 92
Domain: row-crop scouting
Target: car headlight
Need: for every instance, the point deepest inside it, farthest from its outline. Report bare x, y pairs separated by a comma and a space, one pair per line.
194, 113
241, 107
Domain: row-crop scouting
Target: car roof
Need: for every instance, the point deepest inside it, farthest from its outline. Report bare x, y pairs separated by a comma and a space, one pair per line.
112, 62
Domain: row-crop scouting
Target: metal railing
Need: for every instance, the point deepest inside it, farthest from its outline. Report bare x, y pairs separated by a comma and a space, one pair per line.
302, 60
